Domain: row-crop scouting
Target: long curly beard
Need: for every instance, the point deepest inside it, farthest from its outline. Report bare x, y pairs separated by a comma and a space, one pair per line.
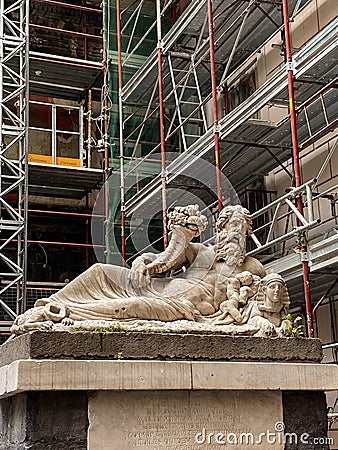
230, 248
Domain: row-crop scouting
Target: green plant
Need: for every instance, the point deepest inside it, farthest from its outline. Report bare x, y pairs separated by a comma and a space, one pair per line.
115, 328
293, 326
119, 355
78, 329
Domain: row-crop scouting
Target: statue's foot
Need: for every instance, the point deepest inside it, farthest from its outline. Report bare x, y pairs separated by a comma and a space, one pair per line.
223, 319
43, 326
32, 326
238, 318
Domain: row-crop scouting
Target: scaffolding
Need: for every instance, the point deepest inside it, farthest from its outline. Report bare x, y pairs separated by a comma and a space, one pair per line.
14, 32
181, 81
29, 66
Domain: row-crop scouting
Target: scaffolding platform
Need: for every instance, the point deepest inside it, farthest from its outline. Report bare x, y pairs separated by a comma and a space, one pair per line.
62, 77
66, 182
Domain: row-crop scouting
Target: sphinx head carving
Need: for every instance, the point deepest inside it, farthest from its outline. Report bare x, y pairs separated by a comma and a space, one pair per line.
273, 296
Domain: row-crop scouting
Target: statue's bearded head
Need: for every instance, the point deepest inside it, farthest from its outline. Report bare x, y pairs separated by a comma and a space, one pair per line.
233, 225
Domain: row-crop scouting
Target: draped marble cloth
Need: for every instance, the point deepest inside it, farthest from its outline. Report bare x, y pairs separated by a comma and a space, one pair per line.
104, 292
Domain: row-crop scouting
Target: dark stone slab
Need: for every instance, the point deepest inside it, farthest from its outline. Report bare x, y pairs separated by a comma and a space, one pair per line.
305, 420
44, 421
13, 422
133, 345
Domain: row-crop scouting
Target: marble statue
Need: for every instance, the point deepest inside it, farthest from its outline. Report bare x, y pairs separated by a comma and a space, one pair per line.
218, 287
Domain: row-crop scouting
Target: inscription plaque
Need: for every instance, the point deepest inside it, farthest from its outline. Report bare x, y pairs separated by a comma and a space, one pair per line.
170, 420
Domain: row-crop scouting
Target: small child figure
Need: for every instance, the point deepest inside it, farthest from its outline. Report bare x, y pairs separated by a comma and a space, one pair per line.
249, 286
238, 290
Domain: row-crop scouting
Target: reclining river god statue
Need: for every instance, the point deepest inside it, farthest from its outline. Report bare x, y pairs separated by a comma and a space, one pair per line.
218, 286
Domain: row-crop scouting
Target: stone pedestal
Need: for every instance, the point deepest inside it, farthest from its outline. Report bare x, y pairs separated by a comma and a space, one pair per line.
162, 391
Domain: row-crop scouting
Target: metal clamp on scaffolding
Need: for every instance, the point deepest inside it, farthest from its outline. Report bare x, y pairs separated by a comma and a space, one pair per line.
164, 173
305, 256
290, 66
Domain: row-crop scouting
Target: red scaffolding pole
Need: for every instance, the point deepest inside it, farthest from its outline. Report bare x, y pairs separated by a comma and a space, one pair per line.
214, 105
296, 163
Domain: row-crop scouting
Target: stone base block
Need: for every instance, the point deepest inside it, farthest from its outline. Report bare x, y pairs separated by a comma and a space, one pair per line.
87, 400
163, 346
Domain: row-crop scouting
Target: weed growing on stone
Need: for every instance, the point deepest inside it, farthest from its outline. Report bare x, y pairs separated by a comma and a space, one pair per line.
295, 328
115, 328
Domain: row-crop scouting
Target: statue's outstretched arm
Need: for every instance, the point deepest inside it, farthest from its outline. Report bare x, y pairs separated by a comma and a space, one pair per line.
149, 264
185, 223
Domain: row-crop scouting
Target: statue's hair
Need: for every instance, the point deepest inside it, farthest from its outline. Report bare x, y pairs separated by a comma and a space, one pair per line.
187, 215
270, 278
227, 212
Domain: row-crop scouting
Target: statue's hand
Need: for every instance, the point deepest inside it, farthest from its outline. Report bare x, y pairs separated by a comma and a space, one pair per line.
140, 263
139, 277
67, 321
138, 274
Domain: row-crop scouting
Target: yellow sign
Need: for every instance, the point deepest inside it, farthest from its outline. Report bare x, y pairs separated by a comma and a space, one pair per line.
71, 162
41, 159
60, 161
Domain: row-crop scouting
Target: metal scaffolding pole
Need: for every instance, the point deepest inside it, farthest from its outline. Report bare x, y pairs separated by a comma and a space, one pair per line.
14, 140
161, 117
214, 105
105, 144
296, 162
120, 85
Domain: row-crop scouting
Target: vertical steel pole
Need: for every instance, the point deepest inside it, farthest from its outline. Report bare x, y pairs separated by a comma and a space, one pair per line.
23, 161
105, 140
120, 85
295, 159
87, 233
85, 43
82, 151
214, 105
161, 113
54, 136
